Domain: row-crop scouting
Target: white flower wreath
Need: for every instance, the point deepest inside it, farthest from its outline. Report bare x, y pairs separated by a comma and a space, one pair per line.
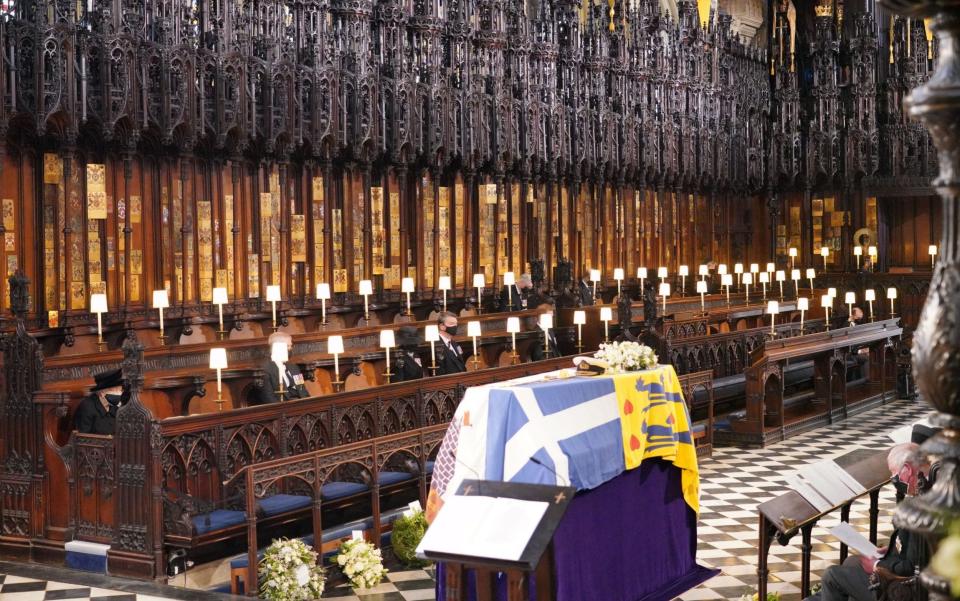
361, 563
627, 356
289, 572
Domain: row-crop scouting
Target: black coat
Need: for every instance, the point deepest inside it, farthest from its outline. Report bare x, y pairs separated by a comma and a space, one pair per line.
911, 554
586, 294
405, 367
92, 418
271, 384
450, 362
537, 351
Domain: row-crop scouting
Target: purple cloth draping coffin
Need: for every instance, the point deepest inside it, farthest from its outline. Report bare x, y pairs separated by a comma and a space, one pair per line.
633, 538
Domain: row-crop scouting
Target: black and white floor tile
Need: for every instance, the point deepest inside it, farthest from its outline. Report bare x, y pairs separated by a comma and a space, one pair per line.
733, 482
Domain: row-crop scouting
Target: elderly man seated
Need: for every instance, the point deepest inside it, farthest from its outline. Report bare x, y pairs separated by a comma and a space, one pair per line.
516, 298
904, 554
289, 372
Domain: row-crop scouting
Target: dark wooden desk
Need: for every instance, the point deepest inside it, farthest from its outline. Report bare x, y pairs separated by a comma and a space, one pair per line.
784, 516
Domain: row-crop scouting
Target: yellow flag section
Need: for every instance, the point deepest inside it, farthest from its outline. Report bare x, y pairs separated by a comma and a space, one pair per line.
654, 423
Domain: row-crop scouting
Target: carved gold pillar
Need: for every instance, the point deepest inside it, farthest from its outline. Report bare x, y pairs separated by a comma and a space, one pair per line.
936, 342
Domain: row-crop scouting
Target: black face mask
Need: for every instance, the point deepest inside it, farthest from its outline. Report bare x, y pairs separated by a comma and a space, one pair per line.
452, 330
114, 399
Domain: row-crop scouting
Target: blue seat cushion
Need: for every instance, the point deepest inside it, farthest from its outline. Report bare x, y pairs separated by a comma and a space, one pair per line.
278, 504
699, 428
430, 466
217, 519
339, 490
388, 478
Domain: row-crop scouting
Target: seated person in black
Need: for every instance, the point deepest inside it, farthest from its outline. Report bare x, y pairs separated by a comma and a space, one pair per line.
450, 359
585, 290
905, 552
97, 412
537, 350
516, 299
293, 387
407, 365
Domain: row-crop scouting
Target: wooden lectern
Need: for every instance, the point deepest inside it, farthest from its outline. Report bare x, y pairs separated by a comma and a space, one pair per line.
528, 578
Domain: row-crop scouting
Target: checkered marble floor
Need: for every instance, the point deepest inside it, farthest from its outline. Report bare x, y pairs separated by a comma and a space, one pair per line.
733, 482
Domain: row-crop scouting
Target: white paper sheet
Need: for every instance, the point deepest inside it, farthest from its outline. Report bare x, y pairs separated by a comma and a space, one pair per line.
825, 484
856, 541
489, 527
841, 475
808, 493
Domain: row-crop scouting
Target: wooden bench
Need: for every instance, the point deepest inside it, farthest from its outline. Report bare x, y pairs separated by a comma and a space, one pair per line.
312, 472
768, 418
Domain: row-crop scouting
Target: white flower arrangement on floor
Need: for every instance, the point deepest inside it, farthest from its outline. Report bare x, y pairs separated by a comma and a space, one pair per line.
361, 563
627, 356
289, 572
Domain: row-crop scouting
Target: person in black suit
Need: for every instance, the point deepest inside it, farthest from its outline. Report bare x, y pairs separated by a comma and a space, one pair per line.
516, 299
407, 365
586, 290
450, 359
293, 381
905, 552
97, 412
537, 352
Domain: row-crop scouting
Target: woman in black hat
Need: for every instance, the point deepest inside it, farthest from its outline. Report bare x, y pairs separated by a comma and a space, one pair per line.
407, 365
97, 413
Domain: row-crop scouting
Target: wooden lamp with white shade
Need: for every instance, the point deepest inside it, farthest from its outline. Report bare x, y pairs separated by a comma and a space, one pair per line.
726, 280
826, 301
747, 280
849, 299
509, 281
474, 332
773, 309
220, 299
579, 320
764, 280
161, 301
892, 296
407, 287
811, 273
479, 282
594, 278
323, 293
618, 276
273, 297
870, 295
738, 271
513, 328
641, 275
781, 278
803, 305
387, 342
431, 334
683, 271
795, 276
98, 305
664, 293
606, 315
702, 290
365, 288
218, 362
444, 285
335, 348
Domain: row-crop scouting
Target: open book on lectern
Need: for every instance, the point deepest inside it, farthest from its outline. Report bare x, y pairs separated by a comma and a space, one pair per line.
498, 524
